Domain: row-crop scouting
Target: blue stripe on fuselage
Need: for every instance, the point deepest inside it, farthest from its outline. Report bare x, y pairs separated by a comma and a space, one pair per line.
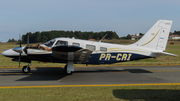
109, 58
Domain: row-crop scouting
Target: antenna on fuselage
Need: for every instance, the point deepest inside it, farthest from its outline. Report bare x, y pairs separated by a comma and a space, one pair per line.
103, 38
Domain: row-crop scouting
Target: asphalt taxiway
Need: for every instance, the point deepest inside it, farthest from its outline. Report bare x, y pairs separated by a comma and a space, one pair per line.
107, 75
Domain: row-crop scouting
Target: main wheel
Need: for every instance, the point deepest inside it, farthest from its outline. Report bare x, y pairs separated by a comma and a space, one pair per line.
66, 72
26, 69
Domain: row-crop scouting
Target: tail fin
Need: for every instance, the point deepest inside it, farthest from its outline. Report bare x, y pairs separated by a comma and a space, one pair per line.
157, 37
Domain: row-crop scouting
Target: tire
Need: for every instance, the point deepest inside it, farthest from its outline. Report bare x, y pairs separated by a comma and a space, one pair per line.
24, 70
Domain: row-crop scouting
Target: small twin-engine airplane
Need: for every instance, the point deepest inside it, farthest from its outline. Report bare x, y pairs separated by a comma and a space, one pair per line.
76, 51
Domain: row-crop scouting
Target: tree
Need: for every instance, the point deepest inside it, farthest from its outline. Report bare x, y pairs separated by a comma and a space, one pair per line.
12, 40
128, 36
48, 35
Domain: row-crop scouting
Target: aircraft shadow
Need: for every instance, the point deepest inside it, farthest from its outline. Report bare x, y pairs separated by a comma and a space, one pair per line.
137, 71
147, 94
54, 73
109, 70
45, 74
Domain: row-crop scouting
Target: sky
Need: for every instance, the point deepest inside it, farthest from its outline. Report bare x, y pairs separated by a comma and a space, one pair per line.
122, 16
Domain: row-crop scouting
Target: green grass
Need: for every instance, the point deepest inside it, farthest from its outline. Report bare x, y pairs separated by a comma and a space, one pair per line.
8, 45
133, 93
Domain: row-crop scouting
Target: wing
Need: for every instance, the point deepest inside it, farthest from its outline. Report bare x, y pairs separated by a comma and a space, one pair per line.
71, 53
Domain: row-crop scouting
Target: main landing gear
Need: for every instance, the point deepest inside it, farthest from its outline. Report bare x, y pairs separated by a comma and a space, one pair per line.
26, 69
69, 68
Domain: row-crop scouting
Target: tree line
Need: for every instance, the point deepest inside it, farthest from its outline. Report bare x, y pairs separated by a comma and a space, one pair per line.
48, 35
12, 40
44, 36
175, 33
129, 36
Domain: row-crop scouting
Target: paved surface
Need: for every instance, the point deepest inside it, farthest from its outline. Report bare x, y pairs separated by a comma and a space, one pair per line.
91, 75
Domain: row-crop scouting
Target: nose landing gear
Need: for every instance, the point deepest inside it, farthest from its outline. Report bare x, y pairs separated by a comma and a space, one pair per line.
26, 69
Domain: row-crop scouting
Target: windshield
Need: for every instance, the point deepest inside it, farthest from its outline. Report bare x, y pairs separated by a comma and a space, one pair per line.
49, 43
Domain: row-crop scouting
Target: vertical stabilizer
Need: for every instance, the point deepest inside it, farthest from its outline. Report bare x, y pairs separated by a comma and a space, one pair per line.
157, 37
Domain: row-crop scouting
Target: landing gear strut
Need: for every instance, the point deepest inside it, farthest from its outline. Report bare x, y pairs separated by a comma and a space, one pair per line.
69, 68
26, 69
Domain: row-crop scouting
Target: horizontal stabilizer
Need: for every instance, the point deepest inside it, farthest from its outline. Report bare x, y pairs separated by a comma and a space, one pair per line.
164, 53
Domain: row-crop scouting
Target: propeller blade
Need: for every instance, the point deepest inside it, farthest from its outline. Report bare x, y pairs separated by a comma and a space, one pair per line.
19, 59
28, 40
20, 43
20, 40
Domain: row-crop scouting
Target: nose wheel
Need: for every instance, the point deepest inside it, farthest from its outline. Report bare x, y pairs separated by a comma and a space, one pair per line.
26, 69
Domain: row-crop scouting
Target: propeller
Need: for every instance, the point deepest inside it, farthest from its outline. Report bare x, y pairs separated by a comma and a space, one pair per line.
20, 48
28, 40
19, 59
20, 40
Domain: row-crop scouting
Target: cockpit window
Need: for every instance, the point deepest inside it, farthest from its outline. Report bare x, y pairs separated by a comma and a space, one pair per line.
59, 42
50, 43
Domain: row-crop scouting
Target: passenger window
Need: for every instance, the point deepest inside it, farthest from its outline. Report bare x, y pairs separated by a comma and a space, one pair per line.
58, 43
76, 44
91, 47
103, 49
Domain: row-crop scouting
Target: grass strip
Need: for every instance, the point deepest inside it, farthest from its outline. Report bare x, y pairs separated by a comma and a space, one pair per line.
132, 93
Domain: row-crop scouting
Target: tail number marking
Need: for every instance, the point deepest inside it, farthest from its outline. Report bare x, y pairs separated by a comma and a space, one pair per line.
118, 57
